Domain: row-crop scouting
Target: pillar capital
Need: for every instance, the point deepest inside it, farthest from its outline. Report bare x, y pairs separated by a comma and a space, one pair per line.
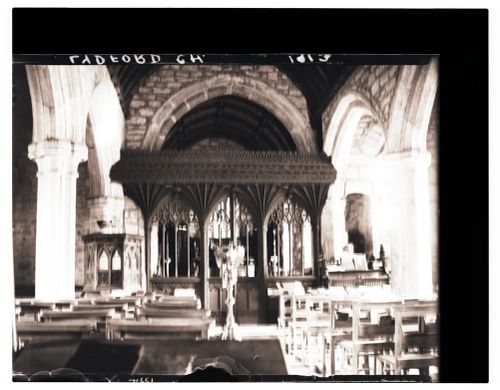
57, 156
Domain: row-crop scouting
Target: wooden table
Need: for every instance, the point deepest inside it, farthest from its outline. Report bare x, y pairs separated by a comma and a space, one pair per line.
148, 357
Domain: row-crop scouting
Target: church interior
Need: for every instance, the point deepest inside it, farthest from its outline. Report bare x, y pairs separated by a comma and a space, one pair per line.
262, 219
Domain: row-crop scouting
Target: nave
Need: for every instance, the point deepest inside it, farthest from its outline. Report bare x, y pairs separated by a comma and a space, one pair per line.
363, 330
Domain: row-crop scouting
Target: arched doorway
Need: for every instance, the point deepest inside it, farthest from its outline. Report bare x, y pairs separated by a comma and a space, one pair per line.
231, 221
358, 223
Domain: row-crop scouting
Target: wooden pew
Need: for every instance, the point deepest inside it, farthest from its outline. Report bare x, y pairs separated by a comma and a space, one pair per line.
424, 339
120, 308
34, 307
187, 302
73, 329
147, 313
169, 305
131, 301
172, 328
99, 315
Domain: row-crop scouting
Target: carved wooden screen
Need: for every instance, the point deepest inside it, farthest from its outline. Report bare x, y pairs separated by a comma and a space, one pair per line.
289, 241
222, 231
178, 240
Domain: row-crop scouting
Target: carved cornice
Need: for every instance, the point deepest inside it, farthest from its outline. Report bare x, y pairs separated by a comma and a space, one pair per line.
223, 167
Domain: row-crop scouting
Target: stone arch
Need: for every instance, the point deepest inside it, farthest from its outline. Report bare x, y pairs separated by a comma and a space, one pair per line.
104, 138
60, 98
411, 109
340, 133
105, 134
242, 86
353, 170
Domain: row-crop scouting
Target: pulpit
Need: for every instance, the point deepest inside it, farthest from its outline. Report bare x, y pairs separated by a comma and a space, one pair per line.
112, 261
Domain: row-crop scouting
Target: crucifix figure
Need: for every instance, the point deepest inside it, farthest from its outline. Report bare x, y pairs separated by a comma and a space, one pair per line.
230, 262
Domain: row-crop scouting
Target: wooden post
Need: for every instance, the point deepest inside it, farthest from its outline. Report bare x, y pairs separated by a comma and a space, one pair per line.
147, 243
316, 248
163, 247
232, 204
188, 251
176, 252
204, 265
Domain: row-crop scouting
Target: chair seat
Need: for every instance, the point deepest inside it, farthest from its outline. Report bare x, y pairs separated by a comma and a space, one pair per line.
411, 360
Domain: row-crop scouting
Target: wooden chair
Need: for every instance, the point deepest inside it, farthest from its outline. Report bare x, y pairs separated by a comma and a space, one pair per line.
341, 328
172, 328
317, 330
298, 324
414, 348
285, 320
371, 338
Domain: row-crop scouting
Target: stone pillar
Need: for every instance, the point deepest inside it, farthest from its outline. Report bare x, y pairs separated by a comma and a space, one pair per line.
408, 218
333, 232
57, 163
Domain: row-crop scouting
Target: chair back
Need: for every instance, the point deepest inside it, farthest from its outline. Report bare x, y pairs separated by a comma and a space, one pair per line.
420, 334
372, 320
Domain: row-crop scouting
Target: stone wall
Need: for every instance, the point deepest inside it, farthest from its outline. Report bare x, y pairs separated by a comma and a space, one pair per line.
24, 186
432, 148
163, 83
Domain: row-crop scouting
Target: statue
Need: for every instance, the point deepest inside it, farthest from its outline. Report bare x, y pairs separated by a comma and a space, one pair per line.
229, 262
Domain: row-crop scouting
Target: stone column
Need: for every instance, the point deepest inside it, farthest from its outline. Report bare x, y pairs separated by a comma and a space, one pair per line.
333, 233
408, 218
57, 163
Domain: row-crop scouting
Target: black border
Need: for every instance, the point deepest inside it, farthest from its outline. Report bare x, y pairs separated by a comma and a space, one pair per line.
460, 37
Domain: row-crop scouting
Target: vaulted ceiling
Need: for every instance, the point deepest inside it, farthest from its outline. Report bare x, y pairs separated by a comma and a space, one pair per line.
232, 118
319, 83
